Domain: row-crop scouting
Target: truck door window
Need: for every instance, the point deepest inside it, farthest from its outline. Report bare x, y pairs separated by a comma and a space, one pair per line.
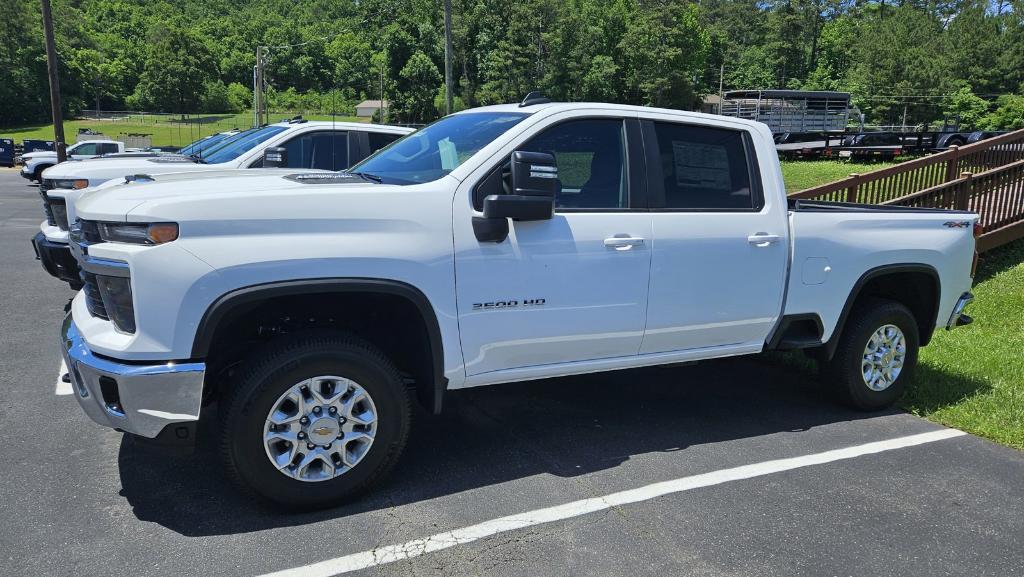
591, 157
321, 150
107, 148
702, 168
88, 148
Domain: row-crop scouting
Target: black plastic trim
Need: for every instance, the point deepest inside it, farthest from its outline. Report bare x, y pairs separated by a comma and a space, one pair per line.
177, 439
884, 270
778, 339
225, 304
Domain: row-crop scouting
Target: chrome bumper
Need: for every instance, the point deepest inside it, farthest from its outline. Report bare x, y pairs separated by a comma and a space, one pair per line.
958, 318
142, 399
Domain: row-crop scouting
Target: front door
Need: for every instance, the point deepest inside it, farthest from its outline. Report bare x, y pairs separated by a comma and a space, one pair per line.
569, 289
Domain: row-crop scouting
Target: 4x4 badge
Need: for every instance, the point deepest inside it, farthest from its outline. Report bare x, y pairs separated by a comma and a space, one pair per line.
957, 224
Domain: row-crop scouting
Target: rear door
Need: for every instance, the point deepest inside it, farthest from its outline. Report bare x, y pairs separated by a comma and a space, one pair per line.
720, 246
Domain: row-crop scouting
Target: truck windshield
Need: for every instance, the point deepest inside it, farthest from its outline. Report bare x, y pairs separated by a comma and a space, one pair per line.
434, 151
204, 144
241, 143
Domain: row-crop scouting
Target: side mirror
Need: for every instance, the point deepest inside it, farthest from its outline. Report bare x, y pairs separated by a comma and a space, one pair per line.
534, 183
275, 157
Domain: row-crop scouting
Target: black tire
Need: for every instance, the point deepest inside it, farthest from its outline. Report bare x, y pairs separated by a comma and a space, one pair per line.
844, 372
268, 373
37, 175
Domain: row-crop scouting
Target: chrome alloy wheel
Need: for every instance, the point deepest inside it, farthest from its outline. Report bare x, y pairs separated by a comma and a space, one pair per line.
884, 356
320, 428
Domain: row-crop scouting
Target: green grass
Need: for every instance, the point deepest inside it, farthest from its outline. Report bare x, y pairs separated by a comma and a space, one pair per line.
164, 130
801, 174
972, 378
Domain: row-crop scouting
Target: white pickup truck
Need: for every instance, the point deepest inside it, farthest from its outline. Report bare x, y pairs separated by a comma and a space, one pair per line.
498, 244
34, 163
295, 144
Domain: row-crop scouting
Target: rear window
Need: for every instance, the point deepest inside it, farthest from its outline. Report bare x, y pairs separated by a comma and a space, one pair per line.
703, 169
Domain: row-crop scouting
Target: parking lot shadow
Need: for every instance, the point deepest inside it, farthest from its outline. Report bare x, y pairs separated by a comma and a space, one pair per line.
565, 427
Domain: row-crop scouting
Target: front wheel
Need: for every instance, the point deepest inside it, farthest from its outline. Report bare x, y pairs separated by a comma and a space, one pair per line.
314, 420
876, 354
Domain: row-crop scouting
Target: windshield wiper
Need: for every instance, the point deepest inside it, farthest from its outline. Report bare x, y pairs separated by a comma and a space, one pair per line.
197, 158
367, 176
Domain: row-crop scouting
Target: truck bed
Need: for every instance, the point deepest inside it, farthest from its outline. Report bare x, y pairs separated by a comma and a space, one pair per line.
801, 205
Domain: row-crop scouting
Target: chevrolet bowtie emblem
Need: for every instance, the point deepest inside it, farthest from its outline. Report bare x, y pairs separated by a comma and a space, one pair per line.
322, 431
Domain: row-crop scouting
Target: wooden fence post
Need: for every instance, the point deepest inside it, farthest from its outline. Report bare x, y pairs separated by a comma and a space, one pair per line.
953, 164
851, 191
963, 191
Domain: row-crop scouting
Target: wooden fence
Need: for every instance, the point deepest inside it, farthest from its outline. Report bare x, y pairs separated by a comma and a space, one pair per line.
986, 177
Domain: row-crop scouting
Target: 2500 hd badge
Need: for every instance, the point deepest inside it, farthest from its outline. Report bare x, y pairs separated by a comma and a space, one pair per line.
508, 304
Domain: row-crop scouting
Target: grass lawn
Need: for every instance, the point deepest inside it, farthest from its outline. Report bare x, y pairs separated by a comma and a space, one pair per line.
972, 378
801, 174
164, 130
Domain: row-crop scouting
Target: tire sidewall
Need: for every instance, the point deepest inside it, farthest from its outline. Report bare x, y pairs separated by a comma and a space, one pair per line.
245, 426
849, 369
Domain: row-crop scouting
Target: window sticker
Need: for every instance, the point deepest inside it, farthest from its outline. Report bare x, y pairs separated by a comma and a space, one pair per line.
449, 156
701, 165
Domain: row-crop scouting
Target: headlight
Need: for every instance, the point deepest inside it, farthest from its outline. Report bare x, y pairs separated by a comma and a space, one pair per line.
74, 184
116, 293
139, 233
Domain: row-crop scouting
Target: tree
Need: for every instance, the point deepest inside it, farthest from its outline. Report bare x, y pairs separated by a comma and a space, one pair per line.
421, 79
1008, 115
239, 97
965, 107
177, 69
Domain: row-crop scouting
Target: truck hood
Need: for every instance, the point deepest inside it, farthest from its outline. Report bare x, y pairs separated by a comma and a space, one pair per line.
191, 196
101, 170
39, 154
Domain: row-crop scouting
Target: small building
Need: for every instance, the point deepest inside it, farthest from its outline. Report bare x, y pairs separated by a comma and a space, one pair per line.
367, 108
711, 104
790, 110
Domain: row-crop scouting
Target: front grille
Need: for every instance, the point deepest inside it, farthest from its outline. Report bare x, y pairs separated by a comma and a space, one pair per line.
93, 301
47, 208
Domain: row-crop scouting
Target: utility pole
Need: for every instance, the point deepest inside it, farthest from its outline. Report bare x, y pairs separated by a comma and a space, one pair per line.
449, 98
51, 68
258, 96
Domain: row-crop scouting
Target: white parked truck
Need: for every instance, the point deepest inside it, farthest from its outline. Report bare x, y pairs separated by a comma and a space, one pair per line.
34, 163
295, 144
498, 244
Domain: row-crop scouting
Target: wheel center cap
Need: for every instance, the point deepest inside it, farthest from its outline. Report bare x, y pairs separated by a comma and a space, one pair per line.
323, 430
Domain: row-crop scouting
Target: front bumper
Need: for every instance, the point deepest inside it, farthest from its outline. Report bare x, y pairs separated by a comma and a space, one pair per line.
57, 260
26, 173
149, 400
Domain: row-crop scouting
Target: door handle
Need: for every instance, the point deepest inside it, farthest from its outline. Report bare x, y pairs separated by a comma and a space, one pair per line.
761, 239
623, 242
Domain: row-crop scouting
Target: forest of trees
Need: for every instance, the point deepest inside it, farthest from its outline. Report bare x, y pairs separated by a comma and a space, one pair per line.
913, 60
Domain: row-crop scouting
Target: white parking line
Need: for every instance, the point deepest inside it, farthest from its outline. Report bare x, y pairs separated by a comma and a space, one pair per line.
62, 387
417, 547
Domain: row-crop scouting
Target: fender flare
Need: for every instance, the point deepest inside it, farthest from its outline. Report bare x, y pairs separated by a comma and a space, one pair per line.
223, 306
877, 272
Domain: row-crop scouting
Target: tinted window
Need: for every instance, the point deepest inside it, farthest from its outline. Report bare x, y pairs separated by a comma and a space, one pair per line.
379, 140
107, 148
322, 150
435, 150
703, 168
591, 162
89, 148
242, 143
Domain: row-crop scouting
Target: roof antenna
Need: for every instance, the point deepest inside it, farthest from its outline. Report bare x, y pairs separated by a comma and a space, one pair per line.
534, 97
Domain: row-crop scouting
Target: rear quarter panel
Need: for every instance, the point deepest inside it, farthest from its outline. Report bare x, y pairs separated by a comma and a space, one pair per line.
833, 249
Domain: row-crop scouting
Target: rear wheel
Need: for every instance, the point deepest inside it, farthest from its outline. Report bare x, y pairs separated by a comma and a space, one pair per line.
876, 354
314, 420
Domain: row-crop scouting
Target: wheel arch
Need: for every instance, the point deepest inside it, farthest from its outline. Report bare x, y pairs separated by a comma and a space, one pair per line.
238, 302
920, 291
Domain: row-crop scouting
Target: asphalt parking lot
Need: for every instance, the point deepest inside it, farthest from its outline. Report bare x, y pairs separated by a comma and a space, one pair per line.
724, 468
